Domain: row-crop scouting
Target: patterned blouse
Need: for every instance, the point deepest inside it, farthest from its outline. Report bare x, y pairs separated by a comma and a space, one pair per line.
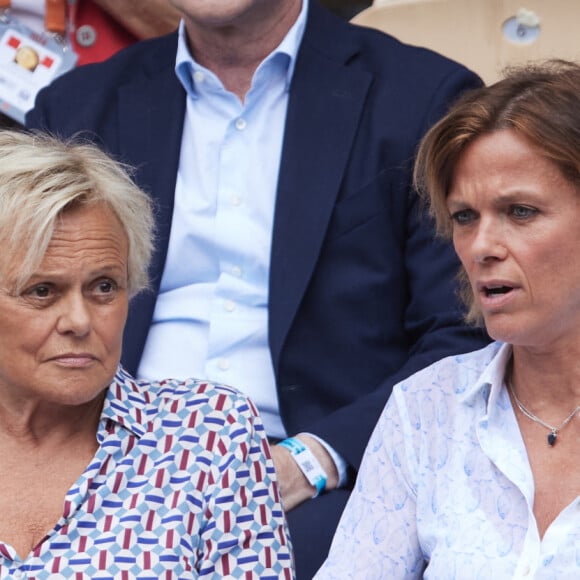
446, 490
182, 486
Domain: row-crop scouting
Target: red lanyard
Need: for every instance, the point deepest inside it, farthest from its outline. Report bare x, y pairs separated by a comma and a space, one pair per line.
54, 16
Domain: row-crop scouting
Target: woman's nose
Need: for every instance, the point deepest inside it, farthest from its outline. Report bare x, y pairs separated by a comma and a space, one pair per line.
75, 316
488, 242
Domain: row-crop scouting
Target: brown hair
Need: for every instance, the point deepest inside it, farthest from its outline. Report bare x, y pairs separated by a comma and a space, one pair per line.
540, 102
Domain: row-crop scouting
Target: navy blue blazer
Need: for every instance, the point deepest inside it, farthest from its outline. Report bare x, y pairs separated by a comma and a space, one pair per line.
361, 295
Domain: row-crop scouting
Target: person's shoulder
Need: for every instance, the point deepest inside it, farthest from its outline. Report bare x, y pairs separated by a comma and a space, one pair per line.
200, 415
141, 58
481, 356
185, 397
387, 56
455, 373
377, 50
85, 100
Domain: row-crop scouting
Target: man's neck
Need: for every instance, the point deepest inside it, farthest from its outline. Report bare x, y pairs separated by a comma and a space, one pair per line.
233, 51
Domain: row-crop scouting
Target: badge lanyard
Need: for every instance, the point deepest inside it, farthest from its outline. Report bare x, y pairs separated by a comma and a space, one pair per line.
54, 15
29, 60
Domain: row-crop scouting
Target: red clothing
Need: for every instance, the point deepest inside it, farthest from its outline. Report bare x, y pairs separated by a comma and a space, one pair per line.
110, 35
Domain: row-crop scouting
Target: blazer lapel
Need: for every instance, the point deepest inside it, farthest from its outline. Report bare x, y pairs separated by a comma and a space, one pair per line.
326, 101
151, 113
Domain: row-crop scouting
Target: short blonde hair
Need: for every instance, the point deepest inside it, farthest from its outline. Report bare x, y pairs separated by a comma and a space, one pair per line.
540, 102
41, 177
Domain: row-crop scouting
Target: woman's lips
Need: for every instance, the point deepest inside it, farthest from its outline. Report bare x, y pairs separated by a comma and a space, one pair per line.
75, 360
495, 294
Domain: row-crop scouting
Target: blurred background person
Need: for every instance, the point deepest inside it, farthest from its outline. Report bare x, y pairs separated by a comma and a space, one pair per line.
98, 29
102, 474
57, 35
472, 471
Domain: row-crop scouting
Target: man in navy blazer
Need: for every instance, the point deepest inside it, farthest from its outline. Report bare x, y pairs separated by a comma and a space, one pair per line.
361, 294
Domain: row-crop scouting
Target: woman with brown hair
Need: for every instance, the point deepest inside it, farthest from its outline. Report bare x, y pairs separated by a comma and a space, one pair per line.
472, 471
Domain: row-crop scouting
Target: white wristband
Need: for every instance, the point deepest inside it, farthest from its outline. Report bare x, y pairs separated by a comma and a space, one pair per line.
307, 463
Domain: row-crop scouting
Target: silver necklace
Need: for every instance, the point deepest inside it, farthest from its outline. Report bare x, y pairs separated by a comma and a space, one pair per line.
553, 435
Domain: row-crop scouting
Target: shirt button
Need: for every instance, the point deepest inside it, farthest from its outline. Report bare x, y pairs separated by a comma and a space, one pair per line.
526, 571
237, 271
224, 364
198, 76
229, 306
86, 35
236, 200
240, 124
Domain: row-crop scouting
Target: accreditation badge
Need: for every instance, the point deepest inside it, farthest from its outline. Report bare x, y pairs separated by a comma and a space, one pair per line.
29, 61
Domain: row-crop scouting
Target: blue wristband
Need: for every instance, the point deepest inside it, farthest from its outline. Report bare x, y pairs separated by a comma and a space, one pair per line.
307, 463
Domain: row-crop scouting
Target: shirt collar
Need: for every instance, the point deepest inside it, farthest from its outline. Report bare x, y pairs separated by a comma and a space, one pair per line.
491, 381
125, 404
186, 65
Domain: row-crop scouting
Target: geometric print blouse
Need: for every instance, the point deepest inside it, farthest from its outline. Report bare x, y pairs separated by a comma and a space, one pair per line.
182, 486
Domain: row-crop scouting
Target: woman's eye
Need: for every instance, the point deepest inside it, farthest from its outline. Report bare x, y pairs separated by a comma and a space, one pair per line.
40, 291
463, 216
106, 286
522, 211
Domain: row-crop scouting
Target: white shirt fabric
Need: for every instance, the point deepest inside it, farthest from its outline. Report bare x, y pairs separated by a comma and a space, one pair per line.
211, 314
445, 490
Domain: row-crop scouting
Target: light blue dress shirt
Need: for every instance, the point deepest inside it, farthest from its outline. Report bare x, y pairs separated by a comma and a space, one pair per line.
446, 491
211, 315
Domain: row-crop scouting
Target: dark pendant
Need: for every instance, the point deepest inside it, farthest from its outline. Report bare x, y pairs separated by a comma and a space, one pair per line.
552, 438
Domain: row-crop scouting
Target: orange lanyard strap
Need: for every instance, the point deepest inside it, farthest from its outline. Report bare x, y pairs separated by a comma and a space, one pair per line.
55, 16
